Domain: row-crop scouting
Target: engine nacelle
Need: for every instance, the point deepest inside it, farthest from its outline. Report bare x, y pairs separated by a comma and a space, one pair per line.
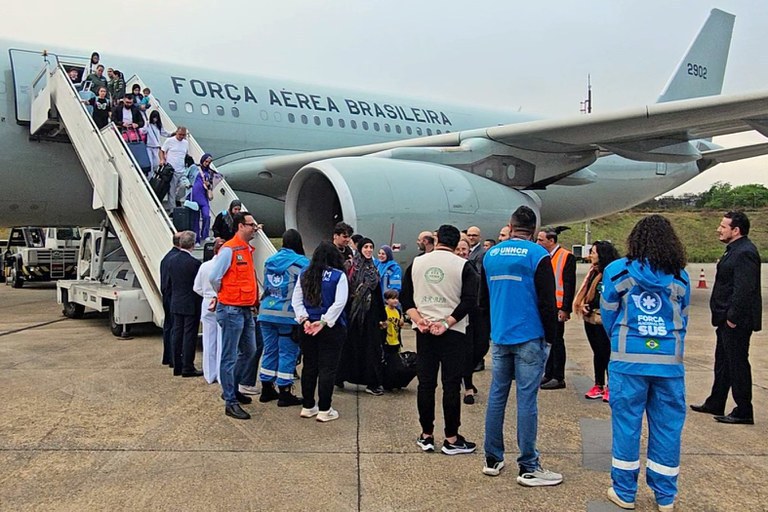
391, 201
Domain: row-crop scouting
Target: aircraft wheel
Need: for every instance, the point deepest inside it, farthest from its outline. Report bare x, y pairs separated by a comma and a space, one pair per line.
16, 280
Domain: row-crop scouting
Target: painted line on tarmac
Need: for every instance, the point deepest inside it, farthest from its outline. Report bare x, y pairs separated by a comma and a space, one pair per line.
33, 326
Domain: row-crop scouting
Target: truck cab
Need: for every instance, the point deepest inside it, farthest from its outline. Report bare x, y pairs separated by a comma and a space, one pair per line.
39, 254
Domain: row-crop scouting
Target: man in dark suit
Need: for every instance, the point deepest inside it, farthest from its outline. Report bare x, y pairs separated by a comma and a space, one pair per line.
165, 290
564, 268
476, 249
185, 306
736, 306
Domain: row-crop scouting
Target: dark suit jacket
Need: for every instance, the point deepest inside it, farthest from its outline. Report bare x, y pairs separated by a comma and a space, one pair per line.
476, 256
165, 278
736, 293
117, 116
182, 271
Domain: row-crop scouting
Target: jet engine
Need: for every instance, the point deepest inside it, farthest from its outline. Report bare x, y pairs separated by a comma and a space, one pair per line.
391, 201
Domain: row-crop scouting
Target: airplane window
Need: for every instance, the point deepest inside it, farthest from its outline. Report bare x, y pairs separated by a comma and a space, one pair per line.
235, 112
172, 105
291, 118
264, 115
387, 128
398, 129
429, 131
408, 130
204, 109
189, 108
329, 121
365, 125
418, 130
438, 132
376, 127
353, 124
341, 123
220, 110
278, 117
317, 120
304, 119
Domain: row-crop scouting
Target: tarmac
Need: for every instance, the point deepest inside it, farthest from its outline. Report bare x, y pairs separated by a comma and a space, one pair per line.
93, 422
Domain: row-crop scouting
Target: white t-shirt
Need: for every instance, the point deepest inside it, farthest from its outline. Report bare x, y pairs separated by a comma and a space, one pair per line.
127, 116
175, 150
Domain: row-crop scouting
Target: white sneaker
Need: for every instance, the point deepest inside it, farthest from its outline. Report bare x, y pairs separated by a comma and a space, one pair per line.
539, 477
667, 508
308, 413
329, 415
248, 390
626, 505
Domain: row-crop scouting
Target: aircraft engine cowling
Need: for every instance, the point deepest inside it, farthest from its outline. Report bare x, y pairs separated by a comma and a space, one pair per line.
391, 201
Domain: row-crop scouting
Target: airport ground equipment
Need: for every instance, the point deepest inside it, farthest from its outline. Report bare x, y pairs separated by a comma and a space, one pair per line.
36, 254
105, 283
133, 211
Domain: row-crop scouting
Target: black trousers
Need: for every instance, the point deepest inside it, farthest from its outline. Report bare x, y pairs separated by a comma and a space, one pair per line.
732, 371
184, 342
321, 355
555, 368
445, 353
601, 350
167, 334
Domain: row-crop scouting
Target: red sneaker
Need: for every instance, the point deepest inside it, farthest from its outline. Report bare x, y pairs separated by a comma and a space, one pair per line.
605, 395
595, 393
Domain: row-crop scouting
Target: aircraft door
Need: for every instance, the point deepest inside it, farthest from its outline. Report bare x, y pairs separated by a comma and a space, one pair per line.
661, 169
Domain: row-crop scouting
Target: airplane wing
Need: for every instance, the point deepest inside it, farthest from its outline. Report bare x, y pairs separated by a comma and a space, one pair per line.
533, 154
722, 156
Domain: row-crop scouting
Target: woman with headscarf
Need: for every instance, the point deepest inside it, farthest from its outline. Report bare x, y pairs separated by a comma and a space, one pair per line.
201, 191
389, 270
362, 356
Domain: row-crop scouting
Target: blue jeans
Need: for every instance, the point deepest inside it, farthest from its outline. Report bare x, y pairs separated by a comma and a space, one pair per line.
238, 347
280, 353
249, 377
523, 363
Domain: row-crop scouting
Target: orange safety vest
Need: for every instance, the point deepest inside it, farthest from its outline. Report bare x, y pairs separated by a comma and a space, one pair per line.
238, 285
558, 263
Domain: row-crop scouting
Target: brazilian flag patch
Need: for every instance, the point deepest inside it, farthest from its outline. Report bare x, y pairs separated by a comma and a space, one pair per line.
652, 344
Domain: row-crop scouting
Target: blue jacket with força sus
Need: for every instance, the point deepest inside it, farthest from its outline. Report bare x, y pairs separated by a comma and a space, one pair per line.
281, 271
645, 313
391, 275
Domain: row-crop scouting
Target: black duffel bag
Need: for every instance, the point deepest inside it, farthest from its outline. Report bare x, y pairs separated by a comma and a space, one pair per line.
399, 369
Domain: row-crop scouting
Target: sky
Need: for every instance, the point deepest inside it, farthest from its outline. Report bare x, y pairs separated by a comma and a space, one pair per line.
531, 56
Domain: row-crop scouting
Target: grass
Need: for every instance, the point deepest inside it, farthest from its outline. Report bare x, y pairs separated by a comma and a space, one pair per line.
695, 228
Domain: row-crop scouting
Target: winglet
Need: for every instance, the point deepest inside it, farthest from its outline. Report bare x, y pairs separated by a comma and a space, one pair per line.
702, 69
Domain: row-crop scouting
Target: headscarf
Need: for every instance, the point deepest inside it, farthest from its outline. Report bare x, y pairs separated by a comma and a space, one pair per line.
364, 280
205, 157
388, 251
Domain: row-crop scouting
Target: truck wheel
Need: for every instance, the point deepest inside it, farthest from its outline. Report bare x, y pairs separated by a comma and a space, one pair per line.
73, 310
16, 280
116, 328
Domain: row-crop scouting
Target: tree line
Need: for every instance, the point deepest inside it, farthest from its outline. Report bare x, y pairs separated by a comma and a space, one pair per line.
720, 196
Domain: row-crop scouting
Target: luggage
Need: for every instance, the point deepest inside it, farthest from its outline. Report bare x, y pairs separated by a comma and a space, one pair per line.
183, 218
139, 152
399, 369
161, 181
133, 135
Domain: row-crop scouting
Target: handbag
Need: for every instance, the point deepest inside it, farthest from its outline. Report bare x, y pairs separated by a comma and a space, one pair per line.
207, 185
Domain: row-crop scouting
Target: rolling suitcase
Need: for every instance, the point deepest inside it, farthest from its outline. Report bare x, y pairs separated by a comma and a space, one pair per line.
161, 181
183, 218
138, 148
399, 369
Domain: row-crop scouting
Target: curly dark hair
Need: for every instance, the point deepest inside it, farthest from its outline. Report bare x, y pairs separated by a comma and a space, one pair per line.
606, 253
653, 240
325, 257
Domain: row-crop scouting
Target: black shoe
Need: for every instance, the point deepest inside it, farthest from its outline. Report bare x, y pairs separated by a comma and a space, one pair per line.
193, 373
469, 399
460, 446
176, 373
377, 391
553, 384
241, 398
288, 399
427, 444
237, 412
706, 409
480, 366
735, 420
268, 392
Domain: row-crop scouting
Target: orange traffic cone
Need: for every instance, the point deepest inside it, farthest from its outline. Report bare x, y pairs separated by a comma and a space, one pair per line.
702, 280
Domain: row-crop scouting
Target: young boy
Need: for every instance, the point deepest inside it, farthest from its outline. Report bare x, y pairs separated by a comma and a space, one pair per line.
393, 323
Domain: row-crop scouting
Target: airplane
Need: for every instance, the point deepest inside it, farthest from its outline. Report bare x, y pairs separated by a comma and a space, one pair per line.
305, 156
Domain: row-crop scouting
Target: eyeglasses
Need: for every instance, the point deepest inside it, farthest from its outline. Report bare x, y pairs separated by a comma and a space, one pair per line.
472, 234
252, 224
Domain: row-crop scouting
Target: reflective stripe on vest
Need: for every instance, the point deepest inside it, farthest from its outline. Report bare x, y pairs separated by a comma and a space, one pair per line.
625, 285
238, 285
558, 262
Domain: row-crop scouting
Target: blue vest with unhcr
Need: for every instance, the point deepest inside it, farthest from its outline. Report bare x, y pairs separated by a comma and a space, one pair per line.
510, 268
328, 293
281, 270
645, 313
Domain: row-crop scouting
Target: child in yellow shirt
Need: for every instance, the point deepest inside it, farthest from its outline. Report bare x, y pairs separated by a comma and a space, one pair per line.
393, 323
